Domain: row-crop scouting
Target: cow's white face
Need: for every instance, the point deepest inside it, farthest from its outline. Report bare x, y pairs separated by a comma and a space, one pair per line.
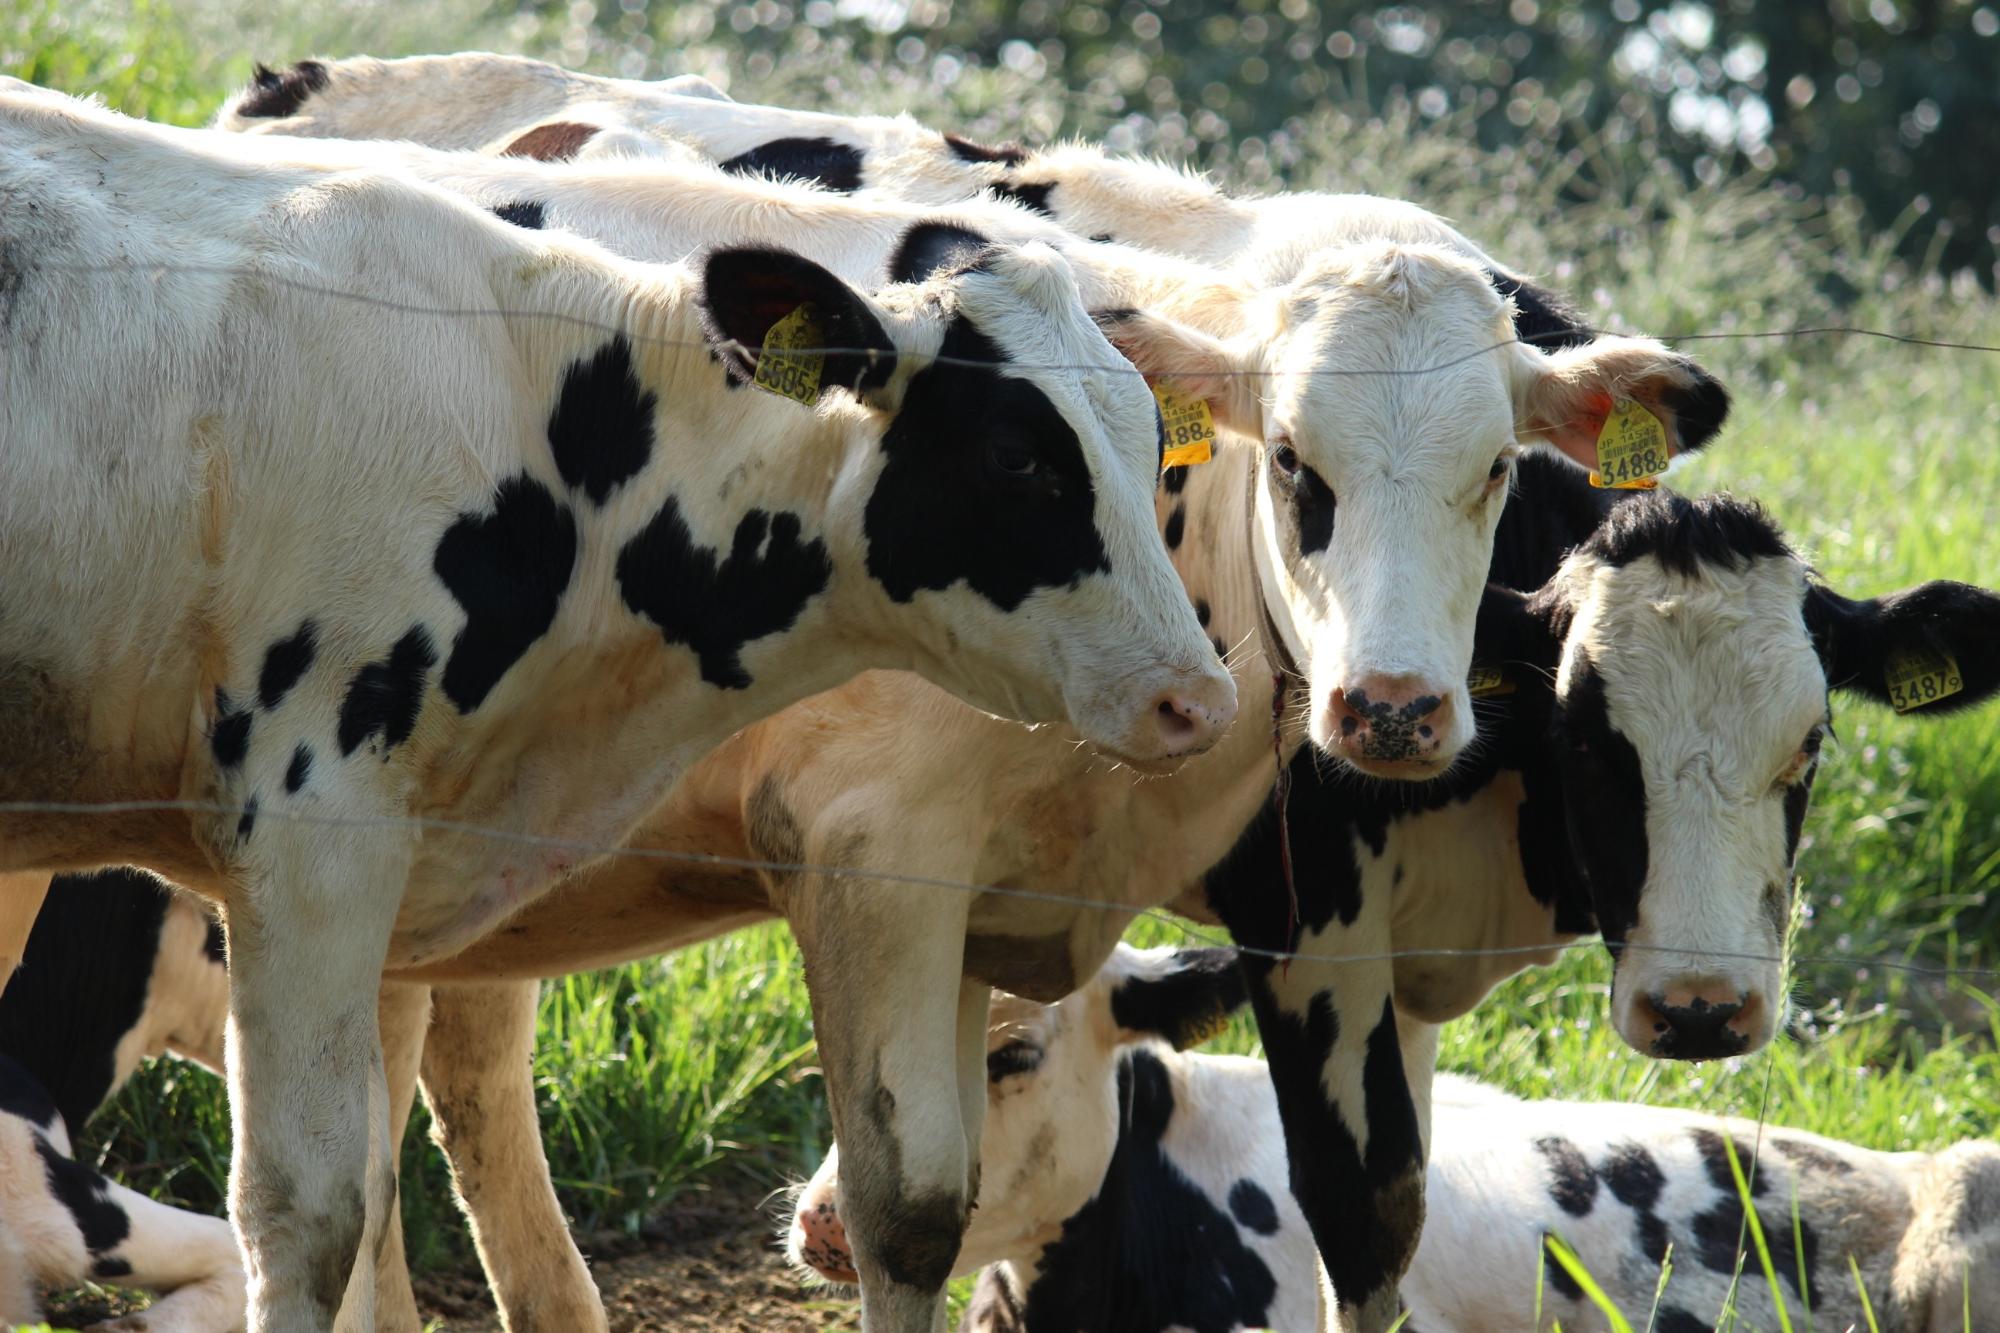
1007, 514
1391, 398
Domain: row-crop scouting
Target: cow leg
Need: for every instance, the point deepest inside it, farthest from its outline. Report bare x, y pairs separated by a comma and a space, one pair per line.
190, 1258
881, 961
405, 1012
478, 1078
1419, 1041
311, 1181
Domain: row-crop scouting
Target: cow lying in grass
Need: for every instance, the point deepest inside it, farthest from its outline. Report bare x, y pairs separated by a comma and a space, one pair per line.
118, 969
1131, 1185
1483, 859
328, 500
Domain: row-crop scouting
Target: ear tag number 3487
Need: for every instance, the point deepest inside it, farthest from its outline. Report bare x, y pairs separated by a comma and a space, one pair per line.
1919, 678
1632, 449
784, 367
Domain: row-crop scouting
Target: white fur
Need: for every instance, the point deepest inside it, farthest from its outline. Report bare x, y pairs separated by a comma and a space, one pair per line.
202, 458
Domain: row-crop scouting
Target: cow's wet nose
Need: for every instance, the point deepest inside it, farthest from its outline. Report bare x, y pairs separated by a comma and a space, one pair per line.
1389, 718
822, 1244
1188, 722
1700, 1018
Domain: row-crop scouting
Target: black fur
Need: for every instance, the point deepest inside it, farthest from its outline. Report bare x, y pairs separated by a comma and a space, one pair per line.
717, 603
1176, 527
21, 1093
385, 697
1252, 1207
945, 511
1187, 1003
1684, 534
1604, 789
1035, 198
508, 569
526, 213
1572, 1181
836, 166
285, 662
965, 150
230, 740
299, 769
274, 96
745, 290
601, 431
932, 247
1541, 317
1699, 409
1151, 1250
1313, 505
1857, 639
86, 1196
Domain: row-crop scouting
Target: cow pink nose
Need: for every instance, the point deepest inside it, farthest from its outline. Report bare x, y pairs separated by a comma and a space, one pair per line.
823, 1242
1187, 725
1389, 718
1700, 1018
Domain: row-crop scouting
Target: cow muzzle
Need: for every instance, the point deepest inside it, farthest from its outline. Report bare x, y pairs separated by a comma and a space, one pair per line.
1391, 726
1696, 1017
819, 1241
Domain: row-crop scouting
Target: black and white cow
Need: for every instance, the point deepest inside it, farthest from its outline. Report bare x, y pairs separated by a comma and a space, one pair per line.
1668, 666
1134, 1187
327, 500
119, 968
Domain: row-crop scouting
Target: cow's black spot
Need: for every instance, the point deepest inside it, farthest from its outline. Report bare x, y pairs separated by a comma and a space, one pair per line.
247, 821
1187, 1002
601, 431
1201, 611
1714, 1151
1175, 478
299, 769
1718, 1231
1176, 525
1151, 1250
837, 166
1634, 1177
274, 95
1035, 198
931, 247
965, 150
1312, 511
1542, 318
1797, 797
1605, 793
921, 1240
86, 1196
1221, 648
527, 213
285, 662
945, 510
1252, 1207
717, 605
21, 1093
111, 1266
230, 740
1572, 1182
1558, 1276
385, 697
1683, 534
509, 570
1812, 1157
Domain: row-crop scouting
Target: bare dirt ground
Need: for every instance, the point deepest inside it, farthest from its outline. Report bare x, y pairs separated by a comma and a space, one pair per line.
707, 1265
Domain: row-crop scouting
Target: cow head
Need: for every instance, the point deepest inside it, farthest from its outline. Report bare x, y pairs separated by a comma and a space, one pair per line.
1692, 656
1391, 398
1053, 1112
1000, 494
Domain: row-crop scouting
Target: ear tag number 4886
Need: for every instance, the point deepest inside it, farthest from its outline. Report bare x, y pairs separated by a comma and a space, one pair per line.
1919, 678
783, 366
1632, 449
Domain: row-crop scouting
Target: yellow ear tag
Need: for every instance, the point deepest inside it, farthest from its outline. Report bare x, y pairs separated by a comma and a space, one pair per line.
1209, 1025
785, 369
1632, 449
1486, 681
1920, 678
1190, 426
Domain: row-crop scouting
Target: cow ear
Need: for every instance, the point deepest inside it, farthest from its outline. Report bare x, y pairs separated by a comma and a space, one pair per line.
1195, 363
1955, 627
1518, 636
745, 291
1564, 396
1185, 996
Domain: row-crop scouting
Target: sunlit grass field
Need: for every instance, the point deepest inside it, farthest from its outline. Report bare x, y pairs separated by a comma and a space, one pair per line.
1881, 459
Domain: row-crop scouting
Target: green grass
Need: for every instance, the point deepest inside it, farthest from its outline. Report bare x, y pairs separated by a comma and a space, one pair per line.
1878, 458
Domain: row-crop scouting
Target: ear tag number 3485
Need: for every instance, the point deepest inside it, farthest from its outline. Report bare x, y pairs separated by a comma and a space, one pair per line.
784, 366
1632, 449
1919, 678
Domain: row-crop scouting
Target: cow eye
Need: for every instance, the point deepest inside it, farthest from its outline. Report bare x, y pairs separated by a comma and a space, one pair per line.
1013, 457
1016, 1057
1285, 461
1499, 468
1802, 762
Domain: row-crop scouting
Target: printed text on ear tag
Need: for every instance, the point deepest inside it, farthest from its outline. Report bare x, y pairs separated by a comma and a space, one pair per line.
1190, 426
1486, 680
1632, 449
784, 366
1920, 678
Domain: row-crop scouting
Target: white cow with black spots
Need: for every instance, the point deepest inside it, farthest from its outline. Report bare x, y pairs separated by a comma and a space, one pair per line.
328, 501
1132, 1185
119, 968
1378, 606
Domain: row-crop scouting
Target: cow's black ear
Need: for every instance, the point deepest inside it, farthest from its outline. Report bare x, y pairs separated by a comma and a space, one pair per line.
932, 247
1519, 636
1185, 997
1880, 647
747, 290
